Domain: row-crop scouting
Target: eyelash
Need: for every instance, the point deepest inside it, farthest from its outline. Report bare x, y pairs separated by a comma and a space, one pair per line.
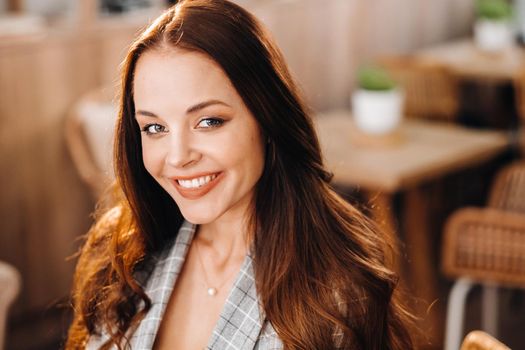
146, 129
214, 121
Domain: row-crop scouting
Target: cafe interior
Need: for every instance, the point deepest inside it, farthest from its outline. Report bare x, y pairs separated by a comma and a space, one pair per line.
419, 106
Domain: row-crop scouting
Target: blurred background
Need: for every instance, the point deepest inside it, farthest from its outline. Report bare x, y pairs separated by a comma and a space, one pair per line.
418, 104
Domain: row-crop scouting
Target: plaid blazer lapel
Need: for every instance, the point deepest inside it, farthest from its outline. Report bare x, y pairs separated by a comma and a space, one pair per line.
159, 287
242, 317
241, 324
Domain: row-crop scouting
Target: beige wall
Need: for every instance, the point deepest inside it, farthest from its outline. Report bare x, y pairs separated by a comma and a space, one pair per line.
325, 41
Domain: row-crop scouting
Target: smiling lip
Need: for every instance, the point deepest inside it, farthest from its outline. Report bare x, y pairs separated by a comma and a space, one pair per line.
196, 192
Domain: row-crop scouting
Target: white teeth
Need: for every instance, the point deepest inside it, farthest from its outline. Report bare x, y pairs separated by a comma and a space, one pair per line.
197, 182
185, 183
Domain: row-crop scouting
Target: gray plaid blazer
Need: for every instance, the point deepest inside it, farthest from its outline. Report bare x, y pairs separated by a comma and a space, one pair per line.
241, 325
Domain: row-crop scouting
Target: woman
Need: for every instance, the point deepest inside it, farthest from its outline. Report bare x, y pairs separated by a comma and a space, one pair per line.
228, 235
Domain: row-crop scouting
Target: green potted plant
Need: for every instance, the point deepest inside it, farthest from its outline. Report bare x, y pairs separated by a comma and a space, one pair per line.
377, 103
492, 29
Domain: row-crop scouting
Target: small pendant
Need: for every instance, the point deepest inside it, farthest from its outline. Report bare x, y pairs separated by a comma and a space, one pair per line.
212, 291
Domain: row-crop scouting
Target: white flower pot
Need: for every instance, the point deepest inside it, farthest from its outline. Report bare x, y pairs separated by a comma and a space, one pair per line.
493, 36
377, 112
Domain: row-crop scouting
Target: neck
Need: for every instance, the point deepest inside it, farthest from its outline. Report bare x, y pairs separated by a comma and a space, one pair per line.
225, 239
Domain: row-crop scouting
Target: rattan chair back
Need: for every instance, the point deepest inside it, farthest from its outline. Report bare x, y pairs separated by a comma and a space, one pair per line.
89, 131
486, 245
430, 90
508, 190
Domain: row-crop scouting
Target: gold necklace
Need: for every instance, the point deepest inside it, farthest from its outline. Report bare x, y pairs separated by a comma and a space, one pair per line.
210, 290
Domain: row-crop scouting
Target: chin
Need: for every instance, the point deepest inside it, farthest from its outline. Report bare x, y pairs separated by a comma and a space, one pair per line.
197, 218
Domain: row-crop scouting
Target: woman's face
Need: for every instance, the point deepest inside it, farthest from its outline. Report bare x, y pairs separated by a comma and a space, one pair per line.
199, 141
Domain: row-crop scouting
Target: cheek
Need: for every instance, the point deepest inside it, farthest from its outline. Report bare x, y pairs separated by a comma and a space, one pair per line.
153, 158
236, 150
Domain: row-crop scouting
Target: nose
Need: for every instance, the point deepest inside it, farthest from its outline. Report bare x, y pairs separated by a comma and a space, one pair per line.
181, 151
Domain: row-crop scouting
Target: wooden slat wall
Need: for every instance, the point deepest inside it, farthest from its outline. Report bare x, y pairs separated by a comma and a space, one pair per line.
44, 207
325, 41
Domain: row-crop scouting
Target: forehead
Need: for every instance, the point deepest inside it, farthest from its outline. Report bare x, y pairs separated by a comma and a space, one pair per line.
180, 75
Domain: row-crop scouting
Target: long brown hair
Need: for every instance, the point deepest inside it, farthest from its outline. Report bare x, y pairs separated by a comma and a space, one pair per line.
319, 263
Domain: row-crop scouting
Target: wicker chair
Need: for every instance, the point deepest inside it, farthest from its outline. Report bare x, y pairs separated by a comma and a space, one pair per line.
481, 246
486, 246
508, 190
89, 132
9, 287
430, 90
479, 340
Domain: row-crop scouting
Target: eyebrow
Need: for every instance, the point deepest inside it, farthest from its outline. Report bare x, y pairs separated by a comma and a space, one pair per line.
192, 109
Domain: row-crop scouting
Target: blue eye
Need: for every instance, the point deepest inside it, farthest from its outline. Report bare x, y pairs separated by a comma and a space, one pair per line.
153, 129
210, 123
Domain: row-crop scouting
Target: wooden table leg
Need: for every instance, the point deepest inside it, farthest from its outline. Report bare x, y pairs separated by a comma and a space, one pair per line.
423, 280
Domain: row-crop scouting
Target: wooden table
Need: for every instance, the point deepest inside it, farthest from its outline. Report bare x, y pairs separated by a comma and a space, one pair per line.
419, 153
490, 82
467, 61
